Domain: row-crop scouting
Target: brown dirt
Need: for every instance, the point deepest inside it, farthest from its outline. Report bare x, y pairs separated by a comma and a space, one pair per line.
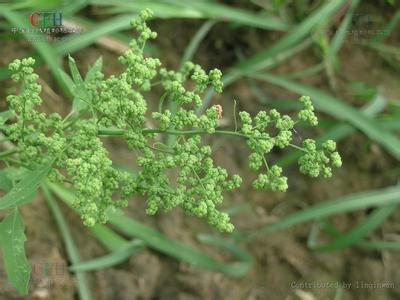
281, 260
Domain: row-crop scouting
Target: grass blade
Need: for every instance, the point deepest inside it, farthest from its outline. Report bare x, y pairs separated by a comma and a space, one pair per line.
88, 37
36, 4
158, 241
114, 258
355, 235
340, 35
293, 37
387, 30
196, 40
107, 237
231, 14
72, 251
380, 245
197, 9
338, 109
375, 198
294, 41
230, 247
311, 71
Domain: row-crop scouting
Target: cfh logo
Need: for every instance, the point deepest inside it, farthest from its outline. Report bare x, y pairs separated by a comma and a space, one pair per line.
43, 19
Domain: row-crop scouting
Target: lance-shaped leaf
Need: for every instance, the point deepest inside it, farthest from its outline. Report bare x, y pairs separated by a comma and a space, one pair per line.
8, 176
12, 239
24, 191
82, 96
93, 70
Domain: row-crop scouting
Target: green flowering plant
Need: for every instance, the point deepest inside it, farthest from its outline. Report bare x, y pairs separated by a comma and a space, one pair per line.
116, 106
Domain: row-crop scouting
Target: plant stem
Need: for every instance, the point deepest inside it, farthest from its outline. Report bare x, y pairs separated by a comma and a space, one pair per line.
118, 132
160, 150
265, 162
160, 104
299, 148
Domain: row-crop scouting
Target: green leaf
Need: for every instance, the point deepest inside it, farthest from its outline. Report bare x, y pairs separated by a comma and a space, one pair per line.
23, 192
93, 70
76, 76
5, 182
7, 176
68, 80
82, 96
12, 238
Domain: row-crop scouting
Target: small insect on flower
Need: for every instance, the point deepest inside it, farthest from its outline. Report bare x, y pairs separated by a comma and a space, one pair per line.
298, 135
218, 108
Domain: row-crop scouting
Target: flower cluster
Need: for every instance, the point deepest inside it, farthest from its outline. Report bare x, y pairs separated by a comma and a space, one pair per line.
29, 121
315, 162
90, 170
182, 174
262, 143
272, 180
184, 117
307, 114
24, 103
199, 183
77, 150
